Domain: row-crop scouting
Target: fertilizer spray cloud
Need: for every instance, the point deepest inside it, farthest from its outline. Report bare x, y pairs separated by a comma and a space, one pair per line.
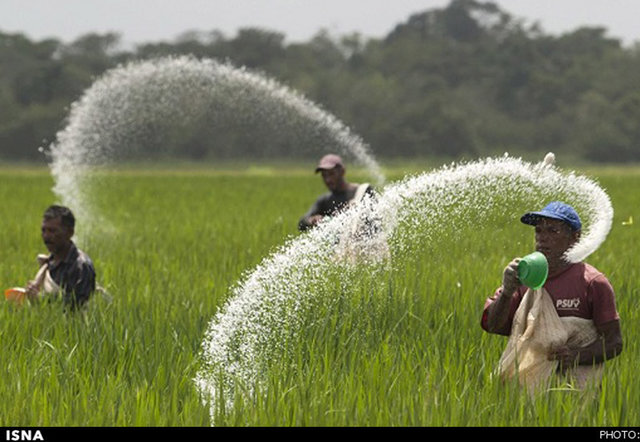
146, 102
265, 308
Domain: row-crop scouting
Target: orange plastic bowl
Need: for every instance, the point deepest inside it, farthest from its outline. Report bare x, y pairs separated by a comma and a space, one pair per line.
15, 294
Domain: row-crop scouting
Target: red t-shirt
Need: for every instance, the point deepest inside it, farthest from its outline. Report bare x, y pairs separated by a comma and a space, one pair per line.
580, 290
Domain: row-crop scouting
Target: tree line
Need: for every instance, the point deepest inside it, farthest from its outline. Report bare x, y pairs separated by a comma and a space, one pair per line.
464, 80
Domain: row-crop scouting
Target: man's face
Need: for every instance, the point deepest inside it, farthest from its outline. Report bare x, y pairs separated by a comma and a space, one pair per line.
55, 235
333, 178
553, 238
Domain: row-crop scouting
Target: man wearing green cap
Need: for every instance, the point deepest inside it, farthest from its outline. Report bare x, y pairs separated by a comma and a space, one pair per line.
576, 290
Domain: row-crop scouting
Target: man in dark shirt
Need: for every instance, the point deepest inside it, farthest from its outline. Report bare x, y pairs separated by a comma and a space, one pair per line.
67, 270
341, 192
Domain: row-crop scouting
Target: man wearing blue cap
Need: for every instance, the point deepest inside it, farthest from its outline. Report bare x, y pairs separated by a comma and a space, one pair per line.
577, 290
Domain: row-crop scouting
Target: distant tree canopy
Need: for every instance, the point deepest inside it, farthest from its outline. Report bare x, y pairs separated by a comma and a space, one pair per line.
461, 81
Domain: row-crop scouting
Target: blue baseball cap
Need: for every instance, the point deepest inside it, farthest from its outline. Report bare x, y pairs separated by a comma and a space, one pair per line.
555, 210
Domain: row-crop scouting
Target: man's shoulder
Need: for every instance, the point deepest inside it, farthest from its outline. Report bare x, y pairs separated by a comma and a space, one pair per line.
83, 259
587, 275
591, 273
363, 189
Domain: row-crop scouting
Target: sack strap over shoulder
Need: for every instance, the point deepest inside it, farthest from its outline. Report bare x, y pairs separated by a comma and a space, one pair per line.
44, 281
362, 189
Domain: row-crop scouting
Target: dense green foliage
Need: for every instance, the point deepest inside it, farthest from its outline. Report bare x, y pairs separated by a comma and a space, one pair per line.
461, 81
405, 350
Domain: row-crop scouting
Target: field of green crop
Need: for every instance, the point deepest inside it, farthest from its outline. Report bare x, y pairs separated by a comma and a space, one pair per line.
402, 348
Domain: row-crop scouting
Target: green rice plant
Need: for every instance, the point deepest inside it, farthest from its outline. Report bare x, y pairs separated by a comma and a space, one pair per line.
400, 347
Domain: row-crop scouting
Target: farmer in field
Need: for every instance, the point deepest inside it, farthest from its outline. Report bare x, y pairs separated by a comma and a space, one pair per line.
67, 271
569, 326
341, 192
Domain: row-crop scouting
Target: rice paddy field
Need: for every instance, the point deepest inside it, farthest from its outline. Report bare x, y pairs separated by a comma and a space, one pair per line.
401, 348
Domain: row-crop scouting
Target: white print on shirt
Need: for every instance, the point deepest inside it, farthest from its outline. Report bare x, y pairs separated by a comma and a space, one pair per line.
568, 304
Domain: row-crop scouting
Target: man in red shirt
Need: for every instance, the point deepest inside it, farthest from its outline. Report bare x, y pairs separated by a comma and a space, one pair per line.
576, 289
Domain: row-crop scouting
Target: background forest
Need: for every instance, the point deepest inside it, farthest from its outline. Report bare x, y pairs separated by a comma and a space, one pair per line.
458, 82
